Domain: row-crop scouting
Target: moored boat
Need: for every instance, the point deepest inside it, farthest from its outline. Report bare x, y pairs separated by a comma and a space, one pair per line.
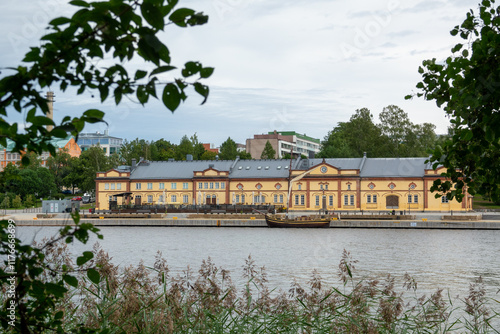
301, 221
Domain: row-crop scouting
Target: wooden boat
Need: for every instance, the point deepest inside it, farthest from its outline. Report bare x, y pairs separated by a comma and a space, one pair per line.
301, 221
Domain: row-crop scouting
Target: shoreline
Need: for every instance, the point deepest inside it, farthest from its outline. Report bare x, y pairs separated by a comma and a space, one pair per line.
182, 222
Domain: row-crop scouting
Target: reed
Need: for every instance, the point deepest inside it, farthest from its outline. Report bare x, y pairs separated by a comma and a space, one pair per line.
140, 299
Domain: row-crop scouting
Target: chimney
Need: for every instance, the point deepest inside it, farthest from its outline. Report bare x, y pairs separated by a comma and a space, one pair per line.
189, 157
134, 163
50, 104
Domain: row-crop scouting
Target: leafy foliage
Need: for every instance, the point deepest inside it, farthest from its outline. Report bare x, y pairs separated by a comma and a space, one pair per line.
395, 136
116, 31
466, 86
35, 297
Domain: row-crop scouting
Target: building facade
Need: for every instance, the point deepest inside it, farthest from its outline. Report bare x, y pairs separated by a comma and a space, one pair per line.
283, 142
109, 144
371, 184
7, 156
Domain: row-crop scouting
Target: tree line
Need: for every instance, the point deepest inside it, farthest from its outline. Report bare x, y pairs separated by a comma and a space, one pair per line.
21, 184
394, 136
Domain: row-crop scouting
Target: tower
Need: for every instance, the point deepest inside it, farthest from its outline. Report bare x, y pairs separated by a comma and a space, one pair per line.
50, 104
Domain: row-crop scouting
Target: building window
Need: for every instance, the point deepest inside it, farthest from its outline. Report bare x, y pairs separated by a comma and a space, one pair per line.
110, 198
174, 185
237, 198
242, 198
296, 199
415, 199
211, 185
300, 187
216, 185
281, 198
185, 199
150, 198
174, 198
106, 186
326, 186
138, 186
368, 198
223, 185
444, 199
118, 186
317, 198
160, 199
352, 199
302, 199
275, 198
200, 185
185, 185
374, 198
320, 187
331, 200
409, 198
162, 185
112, 186
346, 200
206, 185
348, 187
150, 185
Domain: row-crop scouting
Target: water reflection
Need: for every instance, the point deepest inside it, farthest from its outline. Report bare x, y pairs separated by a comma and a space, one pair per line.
436, 259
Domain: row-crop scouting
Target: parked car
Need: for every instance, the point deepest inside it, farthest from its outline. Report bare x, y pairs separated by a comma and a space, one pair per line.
77, 198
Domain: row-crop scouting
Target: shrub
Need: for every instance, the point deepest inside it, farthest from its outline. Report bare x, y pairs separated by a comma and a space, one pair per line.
17, 202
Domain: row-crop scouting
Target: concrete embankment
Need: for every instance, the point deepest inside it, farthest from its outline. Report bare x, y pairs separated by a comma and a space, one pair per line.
183, 222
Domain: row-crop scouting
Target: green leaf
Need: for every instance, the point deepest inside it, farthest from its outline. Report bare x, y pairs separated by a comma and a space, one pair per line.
71, 280
60, 21
94, 113
179, 16
171, 97
55, 289
79, 3
202, 90
206, 72
153, 15
93, 276
162, 69
139, 74
465, 53
86, 256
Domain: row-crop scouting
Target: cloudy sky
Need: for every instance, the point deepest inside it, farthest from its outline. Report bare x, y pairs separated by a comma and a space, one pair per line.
299, 65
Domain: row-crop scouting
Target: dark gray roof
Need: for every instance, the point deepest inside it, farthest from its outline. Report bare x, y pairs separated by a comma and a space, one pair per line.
394, 167
369, 167
176, 169
261, 169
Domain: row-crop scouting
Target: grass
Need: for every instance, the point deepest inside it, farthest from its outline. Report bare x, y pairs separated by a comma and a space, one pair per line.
137, 299
480, 203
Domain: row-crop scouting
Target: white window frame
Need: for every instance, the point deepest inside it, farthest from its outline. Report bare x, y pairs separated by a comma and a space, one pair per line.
162, 185
137, 186
173, 185
150, 185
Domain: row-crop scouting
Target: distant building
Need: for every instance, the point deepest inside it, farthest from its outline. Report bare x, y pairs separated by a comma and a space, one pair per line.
210, 148
283, 142
109, 144
7, 155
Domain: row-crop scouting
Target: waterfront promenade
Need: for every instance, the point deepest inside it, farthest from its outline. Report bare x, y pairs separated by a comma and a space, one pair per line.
427, 220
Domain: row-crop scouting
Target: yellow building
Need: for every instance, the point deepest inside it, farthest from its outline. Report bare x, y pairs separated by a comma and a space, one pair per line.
369, 184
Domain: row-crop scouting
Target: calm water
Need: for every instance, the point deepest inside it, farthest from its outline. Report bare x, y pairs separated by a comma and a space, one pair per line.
437, 259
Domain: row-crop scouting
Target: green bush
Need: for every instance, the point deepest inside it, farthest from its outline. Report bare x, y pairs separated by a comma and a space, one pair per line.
5, 202
17, 202
29, 201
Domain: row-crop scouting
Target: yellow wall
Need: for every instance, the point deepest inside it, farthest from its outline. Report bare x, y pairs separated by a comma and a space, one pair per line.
307, 193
